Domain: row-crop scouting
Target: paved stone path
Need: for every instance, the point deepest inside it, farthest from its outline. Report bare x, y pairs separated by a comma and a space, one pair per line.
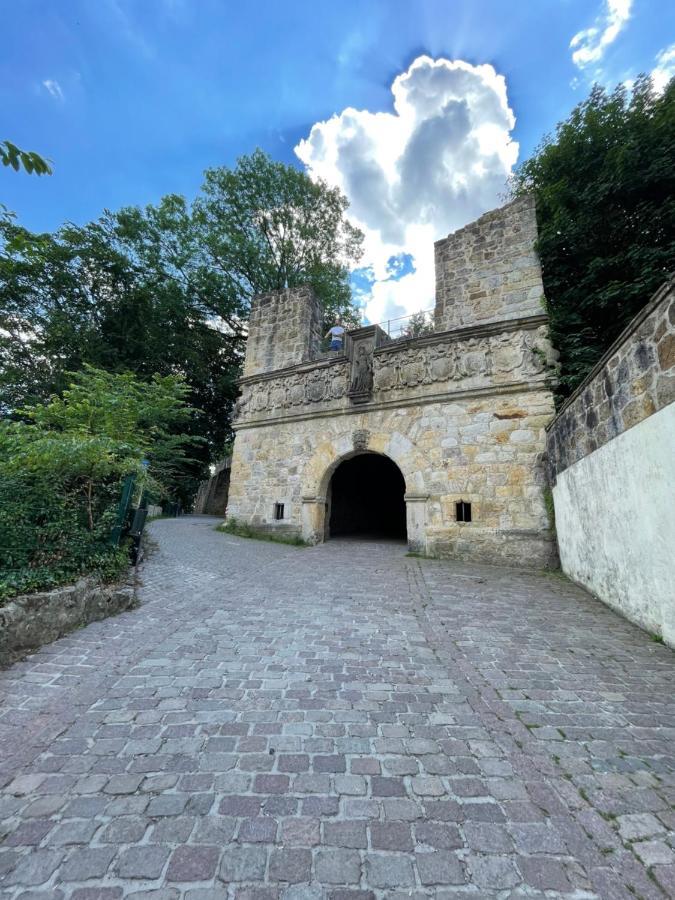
342, 722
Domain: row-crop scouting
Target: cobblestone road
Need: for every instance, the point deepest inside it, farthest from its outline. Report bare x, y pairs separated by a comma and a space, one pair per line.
342, 722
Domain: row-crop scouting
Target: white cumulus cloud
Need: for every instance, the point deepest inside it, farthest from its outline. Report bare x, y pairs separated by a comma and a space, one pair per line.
54, 88
590, 44
439, 160
664, 69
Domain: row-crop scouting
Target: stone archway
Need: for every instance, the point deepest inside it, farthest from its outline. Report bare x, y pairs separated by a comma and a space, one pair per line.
337, 448
365, 497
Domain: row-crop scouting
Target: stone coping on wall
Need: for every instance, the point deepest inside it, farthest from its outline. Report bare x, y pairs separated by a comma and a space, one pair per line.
31, 620
454, 335
632, 380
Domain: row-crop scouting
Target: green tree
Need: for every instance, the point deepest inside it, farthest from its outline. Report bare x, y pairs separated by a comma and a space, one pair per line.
33, 163
166, 289
605, 192
265, 226
418, 324
83, 296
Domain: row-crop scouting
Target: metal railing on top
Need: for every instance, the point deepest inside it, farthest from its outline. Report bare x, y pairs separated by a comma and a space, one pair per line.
412, 325
398, 328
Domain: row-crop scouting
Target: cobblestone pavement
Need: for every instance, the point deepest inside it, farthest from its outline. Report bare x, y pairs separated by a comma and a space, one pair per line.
342, 722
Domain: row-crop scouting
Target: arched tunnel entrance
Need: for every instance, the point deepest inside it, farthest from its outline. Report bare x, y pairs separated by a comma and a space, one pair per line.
366, 497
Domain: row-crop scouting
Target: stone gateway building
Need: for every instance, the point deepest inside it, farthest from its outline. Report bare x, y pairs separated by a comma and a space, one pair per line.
437, 439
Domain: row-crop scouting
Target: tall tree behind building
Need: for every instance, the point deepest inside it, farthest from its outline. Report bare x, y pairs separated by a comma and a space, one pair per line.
165, 290
605, 192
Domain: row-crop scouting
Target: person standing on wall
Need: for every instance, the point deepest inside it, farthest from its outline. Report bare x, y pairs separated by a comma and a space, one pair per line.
336, 335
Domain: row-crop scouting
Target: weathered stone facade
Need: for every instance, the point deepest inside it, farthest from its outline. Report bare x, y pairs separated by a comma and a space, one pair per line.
461, 411
489, 271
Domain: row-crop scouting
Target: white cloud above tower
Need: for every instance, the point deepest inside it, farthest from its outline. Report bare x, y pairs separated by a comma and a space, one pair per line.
438, 160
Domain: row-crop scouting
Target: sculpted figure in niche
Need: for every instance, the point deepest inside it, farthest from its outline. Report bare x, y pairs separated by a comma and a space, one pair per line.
362, 382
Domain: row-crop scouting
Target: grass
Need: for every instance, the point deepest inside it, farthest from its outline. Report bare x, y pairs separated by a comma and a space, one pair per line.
241, 529
657, 638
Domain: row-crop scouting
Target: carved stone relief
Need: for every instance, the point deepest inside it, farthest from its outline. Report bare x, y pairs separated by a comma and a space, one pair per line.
361, 381
316, 386
519, 353
505, 357
360, 439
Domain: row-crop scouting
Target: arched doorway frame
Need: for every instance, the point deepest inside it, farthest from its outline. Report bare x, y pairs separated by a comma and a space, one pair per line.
327, 482
330, 454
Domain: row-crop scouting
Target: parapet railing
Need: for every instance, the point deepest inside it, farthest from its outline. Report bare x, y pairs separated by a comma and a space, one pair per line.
398, 328
410, 326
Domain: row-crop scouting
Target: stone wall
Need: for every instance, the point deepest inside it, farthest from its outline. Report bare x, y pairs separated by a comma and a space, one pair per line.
484, 449
461, 413
489, 271
285, 328
634, 379
31, 620
611, 452
211, 498
485, 357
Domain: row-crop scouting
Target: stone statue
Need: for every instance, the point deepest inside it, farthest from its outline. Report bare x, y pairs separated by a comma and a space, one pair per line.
362, 382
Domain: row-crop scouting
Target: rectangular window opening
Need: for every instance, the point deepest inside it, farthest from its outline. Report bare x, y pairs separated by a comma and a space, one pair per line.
463, 511
278, 511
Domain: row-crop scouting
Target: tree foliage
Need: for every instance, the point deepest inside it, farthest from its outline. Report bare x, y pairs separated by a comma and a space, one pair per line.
166, 289
266, 226
605, 192
32, 162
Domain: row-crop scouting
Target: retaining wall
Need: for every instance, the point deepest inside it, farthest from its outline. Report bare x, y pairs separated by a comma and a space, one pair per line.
31, 620
611, 458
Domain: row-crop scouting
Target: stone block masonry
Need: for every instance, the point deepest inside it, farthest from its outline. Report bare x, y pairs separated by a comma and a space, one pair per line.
461, 412
284, 329
611, 452
634, 379
31, 620
489, 270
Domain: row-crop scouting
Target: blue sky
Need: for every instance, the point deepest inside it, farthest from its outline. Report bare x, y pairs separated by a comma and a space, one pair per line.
132, 99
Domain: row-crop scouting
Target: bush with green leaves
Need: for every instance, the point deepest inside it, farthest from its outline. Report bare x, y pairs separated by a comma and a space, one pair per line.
62, 467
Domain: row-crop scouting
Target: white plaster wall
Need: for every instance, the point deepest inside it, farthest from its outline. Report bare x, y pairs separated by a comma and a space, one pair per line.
615, 518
